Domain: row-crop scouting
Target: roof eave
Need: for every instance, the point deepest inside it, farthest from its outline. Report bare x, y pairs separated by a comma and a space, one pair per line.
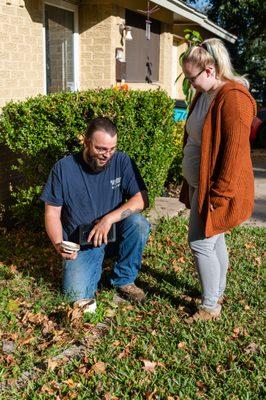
181, 9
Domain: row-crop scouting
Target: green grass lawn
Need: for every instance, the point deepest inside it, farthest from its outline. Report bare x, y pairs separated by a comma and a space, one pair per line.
126, 351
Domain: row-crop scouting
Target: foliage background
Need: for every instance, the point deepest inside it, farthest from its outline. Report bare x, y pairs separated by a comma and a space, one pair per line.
245, 20
46, 128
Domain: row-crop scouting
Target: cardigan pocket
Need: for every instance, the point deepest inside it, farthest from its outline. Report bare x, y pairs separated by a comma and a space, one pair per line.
225, 216
217, 201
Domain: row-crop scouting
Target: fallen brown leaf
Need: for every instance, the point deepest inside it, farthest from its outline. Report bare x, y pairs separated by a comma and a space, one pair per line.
13, 269
37, 318
116, 343
109, 396
149, 395
26, 340
200, 394
219, 369
53, 363
201, 384
151, 365
236, 332
125, 353
9, 359
47, 389
82, 369
251, 348
49, 326
250, 246
231, 358
129, 307
177, 268
70, 383
99, 368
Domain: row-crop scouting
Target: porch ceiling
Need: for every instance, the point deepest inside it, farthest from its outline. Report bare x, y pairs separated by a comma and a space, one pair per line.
186, 15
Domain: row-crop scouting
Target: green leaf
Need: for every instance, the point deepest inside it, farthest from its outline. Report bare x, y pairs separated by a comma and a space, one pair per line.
178, 77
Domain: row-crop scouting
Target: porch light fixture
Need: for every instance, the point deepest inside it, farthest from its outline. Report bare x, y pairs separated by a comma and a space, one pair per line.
119, 53
125, 32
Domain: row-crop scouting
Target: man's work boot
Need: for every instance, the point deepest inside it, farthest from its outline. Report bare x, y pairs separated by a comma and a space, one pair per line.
132, 292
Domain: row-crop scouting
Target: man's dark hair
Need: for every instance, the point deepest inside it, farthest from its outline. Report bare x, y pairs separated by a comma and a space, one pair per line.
100, 124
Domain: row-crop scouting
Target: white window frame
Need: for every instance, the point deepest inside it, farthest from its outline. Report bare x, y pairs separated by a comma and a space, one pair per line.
69, 7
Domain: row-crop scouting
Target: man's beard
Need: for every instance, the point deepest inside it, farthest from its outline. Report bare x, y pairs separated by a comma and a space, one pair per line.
93, 164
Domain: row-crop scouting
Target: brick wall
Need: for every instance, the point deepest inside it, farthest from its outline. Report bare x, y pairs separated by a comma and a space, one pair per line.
99, 37
165, 72
21, 49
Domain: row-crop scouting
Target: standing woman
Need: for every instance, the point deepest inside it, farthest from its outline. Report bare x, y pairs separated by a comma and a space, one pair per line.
218, 182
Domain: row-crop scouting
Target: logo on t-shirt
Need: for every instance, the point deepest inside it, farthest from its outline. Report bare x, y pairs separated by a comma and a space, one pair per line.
116, 183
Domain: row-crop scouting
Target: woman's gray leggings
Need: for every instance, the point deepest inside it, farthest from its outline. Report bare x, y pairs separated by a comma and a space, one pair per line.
210, 255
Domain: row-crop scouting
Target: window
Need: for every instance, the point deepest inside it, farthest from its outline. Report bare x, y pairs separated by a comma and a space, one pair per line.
60, 49
142, 55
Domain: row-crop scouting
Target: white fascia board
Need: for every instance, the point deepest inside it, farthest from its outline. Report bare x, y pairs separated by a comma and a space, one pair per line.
180, 8
212, 27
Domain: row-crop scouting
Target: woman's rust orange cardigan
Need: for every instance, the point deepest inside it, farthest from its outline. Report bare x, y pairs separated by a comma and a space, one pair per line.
226, 177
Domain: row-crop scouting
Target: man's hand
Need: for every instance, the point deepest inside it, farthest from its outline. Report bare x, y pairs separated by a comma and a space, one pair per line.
65, 256
99, 233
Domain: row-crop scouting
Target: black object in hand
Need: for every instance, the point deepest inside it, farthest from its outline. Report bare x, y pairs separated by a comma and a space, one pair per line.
85, 229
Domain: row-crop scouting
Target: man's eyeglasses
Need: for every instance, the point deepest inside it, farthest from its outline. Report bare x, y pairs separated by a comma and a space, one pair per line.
104, 150
193, 78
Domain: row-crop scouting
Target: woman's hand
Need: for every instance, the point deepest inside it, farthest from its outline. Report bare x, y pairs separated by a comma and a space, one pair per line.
99, 233
211, 207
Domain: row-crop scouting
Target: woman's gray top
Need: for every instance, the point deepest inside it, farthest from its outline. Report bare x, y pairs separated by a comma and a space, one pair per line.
192, 150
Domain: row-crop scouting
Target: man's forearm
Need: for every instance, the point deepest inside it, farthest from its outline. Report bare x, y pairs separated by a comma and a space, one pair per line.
134, 205
53, 228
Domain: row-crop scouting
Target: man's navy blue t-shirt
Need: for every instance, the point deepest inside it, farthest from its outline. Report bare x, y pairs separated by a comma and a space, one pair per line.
86, 196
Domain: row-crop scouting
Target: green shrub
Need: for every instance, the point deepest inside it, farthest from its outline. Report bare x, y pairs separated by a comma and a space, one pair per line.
46, 128
175, 170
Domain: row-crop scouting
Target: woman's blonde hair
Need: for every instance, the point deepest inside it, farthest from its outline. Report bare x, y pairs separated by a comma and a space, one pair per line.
213, 51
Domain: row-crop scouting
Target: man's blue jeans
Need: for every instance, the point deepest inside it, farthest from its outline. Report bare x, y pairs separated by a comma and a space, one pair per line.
81, 276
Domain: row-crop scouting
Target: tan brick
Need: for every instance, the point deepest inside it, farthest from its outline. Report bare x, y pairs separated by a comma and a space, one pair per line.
9, 10
99, 63
102, 40
4, 75
98, 70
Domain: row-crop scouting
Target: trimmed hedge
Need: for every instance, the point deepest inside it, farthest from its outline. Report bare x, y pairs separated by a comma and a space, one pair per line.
46, 128
175, 170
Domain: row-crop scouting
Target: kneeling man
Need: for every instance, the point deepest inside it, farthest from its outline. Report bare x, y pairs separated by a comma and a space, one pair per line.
101, 189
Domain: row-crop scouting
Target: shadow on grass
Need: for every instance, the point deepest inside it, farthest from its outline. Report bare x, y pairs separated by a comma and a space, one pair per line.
157, 288
33, 255
189, 292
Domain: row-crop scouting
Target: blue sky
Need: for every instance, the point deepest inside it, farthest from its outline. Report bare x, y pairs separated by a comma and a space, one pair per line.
201, 5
